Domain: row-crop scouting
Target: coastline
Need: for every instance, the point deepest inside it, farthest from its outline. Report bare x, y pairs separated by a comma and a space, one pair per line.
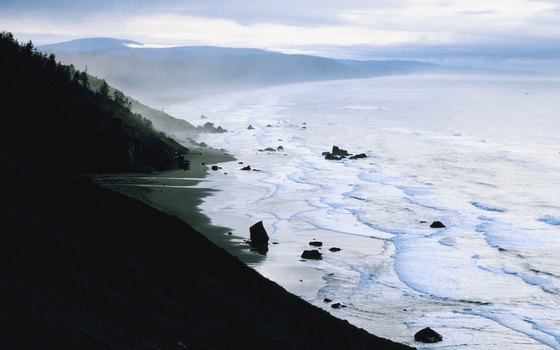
180, 192
86, 267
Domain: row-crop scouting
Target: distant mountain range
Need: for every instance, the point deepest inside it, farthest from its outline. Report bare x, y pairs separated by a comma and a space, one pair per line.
188, 71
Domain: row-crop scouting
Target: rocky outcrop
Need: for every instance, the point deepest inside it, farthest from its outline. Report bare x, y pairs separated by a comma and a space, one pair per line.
337, 153
209, 127
428, 335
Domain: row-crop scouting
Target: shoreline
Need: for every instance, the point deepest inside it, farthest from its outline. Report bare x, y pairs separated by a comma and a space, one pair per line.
86, 267
180, 193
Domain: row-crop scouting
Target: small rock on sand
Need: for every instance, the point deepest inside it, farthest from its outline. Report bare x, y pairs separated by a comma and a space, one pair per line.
428, 335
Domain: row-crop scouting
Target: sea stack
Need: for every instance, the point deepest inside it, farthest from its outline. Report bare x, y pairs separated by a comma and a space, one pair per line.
259, 237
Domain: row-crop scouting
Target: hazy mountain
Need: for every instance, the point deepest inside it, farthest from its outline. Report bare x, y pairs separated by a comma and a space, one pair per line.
90, 44
188, 71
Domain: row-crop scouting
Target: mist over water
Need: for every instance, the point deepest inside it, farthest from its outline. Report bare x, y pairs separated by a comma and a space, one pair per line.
479, 153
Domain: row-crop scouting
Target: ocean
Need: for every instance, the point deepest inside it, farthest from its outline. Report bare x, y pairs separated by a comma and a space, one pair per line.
481, 154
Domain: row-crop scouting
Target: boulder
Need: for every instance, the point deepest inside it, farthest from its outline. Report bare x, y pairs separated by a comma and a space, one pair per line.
334, 249
280, 148
311, 254
246, 168
428, 335
250, 127
258, 234
358, 156
336, 305
437, 224
215, 167
259, 237
327, 300
316, 243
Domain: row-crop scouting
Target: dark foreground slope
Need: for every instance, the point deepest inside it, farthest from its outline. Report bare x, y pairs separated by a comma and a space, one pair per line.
85, 268
50, 108
82, 267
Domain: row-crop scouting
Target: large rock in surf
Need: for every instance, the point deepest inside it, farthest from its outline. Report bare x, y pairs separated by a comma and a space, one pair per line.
428, 335
311, 254
339, 151
259, 237
329, 156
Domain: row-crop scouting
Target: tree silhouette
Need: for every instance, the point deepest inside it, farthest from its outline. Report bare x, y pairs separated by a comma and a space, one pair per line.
104, 89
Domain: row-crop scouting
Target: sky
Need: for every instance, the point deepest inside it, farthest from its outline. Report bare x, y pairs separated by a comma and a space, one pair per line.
446, 30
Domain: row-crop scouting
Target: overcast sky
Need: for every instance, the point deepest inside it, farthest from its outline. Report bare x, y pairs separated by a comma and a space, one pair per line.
489, 29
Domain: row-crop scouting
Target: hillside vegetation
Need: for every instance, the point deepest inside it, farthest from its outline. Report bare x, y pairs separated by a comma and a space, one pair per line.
50, 108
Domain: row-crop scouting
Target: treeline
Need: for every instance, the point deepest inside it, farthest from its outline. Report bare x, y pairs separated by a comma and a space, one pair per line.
51, 108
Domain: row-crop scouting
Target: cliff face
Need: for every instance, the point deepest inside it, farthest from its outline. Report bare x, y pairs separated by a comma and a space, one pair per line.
49, 108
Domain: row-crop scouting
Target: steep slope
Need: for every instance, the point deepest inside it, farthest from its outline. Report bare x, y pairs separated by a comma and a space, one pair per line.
50, 108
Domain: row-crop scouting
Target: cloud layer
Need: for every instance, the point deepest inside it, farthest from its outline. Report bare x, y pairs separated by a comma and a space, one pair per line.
358, 28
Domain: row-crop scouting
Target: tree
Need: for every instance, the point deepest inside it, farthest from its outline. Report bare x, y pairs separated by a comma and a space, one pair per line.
104, 89
84, 77
120, 99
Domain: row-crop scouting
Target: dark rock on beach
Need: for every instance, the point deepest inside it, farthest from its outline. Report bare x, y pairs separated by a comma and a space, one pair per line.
437, 224
311, 254
259, 237
428, 335
358, 156
316, 243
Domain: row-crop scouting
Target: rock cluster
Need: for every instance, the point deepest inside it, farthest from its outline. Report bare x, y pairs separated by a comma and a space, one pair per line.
337, 153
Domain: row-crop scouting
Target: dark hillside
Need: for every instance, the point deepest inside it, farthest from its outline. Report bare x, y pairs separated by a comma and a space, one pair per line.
49, 108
